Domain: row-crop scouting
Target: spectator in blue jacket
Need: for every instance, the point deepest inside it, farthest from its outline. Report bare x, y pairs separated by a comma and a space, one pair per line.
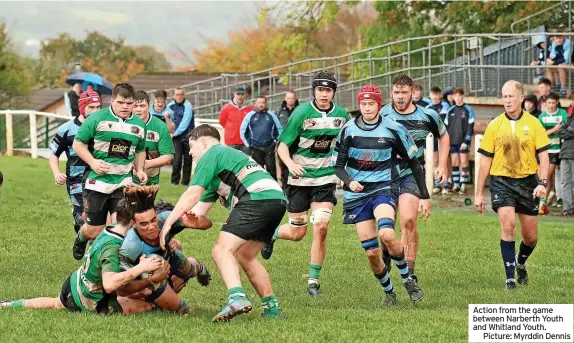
181, 113
259, 131
560, 54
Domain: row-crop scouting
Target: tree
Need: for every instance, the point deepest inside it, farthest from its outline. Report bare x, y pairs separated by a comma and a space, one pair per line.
111, 58
14, 73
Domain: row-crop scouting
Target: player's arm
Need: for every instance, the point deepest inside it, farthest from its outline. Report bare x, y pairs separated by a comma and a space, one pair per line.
470, 127
407, 149
57, 147
340, 157
196, 218
113, 279
438, 129
185, 203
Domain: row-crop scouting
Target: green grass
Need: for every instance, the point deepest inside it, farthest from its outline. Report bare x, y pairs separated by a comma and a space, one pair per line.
459, 264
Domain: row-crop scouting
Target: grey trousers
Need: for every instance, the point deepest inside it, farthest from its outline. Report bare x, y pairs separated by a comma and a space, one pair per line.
567, 183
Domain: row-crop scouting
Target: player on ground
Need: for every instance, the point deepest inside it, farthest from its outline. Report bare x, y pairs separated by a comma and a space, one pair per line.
92, 288
258, 207
460, 124
419, 122
75, 168
551, 120
158, 145
365, 159
313, 128
509, 147
440, 107
112, 142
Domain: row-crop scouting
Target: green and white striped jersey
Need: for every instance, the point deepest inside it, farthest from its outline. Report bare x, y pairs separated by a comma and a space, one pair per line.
157, 143
232, 175
103, 256
114, 141
315, 132
549, 121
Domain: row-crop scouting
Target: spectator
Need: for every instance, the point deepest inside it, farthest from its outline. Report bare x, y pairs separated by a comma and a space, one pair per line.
543, 46
181, 113
566, 133
259, 131
544, 87
283, 114
90, 87
231, 117
418, 96
530, 105
448, 97
440, 107
560, 52
74, 96
158, 109
571, 108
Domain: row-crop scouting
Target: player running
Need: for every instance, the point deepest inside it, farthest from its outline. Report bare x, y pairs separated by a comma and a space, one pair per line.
258, 205
419, 122
92, 288
75, 168
551, 119
313, 128
460, 125
365, 159
509, 148
158, 145
112, 142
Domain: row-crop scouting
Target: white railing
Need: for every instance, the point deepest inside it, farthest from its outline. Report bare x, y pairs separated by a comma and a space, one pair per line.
34, 127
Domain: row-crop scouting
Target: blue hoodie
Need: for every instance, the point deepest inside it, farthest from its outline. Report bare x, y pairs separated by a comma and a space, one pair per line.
260, 129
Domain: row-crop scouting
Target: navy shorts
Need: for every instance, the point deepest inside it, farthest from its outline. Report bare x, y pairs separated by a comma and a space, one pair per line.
363, 211
408, 185
457, 149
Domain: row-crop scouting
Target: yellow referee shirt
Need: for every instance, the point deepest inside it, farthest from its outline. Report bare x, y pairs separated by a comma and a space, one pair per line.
514, 144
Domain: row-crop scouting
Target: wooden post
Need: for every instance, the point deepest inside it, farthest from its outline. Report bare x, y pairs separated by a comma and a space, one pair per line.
9, 135
33, 135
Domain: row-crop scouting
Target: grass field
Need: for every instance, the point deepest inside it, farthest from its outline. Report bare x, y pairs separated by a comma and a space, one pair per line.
459, 264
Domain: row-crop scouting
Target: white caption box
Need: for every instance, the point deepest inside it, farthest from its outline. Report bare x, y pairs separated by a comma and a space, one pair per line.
520, 323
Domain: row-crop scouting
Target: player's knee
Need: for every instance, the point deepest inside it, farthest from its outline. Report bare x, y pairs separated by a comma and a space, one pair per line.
408, 224
321, 216
298, 222
158, 288
386, 227
299, 233
371, 247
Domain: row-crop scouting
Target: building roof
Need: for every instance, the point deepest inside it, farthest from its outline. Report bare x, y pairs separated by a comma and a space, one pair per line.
43, 98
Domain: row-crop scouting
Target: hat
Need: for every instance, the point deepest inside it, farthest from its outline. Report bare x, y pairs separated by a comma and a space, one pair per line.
240, 90
86, 98
370, 92
324, 79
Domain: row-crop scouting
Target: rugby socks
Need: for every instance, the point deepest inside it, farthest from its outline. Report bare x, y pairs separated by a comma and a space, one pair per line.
385, 281
80, 237
276, 234
314, 272
13, 304
508, 251
236, 293
465, 176
270, 304
411, 265
523, 253
456, 177
202, 270
402, 266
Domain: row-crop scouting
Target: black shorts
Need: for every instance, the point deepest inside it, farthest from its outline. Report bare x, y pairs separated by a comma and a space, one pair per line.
67, 298
517, 193
554, 159
255, 220
300, 197
97, 205
107, 305
408, 185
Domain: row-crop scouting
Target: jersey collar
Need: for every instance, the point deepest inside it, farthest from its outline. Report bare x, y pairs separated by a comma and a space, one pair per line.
404, 114
109, 231
364, 126
124, 120
323, 112
77, 121
510, 118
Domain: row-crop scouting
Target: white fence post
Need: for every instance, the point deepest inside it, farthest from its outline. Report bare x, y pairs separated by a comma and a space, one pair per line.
9, 135
477, 141
33, 135
429, 162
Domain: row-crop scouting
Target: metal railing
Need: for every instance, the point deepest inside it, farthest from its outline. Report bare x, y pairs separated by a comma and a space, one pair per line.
545, 10
480, 63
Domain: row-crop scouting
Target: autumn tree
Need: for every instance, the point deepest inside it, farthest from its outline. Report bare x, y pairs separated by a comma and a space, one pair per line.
14, 73
97, 53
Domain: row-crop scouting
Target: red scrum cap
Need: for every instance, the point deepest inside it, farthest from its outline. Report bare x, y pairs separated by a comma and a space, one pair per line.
86, 98
371, 92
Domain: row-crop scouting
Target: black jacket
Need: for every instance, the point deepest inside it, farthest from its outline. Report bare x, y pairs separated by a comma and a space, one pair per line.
284, 113
74, 98
566, 133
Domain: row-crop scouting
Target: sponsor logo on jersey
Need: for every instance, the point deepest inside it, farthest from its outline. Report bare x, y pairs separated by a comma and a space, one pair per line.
150, 136
338, 122
135, 130
119, 148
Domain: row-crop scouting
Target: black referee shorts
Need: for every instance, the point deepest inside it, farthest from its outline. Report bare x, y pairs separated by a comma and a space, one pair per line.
517, 193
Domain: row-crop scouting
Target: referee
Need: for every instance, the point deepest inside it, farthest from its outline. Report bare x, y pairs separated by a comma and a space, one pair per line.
510, 146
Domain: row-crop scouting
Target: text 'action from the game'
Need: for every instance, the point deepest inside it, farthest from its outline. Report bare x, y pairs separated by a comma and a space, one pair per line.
520, 323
